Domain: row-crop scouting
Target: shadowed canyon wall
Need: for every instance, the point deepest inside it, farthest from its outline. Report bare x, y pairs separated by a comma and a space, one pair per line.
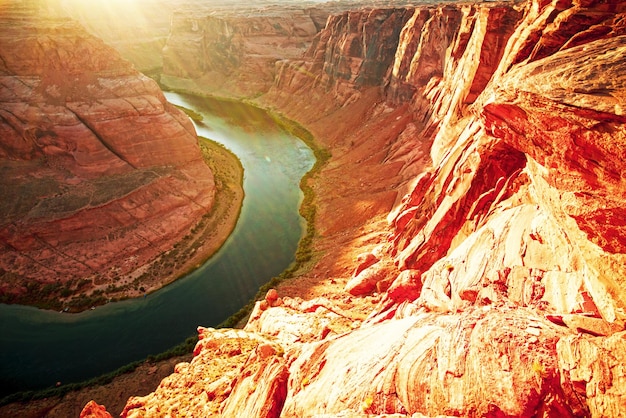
100, 175
472, 212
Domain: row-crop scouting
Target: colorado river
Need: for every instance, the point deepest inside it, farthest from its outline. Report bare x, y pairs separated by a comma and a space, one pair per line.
39, 348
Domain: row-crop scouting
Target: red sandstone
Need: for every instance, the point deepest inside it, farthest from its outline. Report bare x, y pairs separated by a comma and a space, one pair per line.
481, 170
480, 165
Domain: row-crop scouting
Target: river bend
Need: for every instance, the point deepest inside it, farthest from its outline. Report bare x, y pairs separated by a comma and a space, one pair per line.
39, 348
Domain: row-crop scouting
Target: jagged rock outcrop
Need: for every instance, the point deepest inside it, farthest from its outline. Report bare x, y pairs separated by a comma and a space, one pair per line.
94, 410
101, 176
199, 387
356, 50
495, 139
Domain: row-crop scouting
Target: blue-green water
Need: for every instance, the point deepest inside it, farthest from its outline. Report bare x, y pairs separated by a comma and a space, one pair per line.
39, 348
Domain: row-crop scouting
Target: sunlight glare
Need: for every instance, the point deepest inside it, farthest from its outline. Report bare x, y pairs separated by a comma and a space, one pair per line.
117, 13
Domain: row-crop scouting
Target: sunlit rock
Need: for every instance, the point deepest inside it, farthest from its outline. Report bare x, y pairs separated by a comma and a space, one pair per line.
233, 49
493, 136
94, 410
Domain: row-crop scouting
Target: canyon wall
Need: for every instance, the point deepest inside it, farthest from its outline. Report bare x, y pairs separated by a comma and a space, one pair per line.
100, 174
470, 248
231, 49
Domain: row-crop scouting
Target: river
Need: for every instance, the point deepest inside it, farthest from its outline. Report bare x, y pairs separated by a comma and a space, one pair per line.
39, 348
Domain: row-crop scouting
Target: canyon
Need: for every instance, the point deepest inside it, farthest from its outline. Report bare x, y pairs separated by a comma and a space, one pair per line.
469, 248
229, 49
470, 245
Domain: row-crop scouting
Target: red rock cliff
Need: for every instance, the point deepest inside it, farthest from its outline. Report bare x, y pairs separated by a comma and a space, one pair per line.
100, 174
479, 171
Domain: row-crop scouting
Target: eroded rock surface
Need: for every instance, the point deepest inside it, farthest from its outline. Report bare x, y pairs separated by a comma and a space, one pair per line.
481, 167
94, 410
100, 175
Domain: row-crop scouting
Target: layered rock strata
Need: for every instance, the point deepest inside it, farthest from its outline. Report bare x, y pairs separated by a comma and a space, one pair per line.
471, 214
101, 176
232, 50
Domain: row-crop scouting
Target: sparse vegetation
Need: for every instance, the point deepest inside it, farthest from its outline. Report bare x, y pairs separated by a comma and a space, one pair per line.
304, 254
228, 175
195, 116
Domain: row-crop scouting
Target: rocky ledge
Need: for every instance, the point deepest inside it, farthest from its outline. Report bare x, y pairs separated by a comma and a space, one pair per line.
470, 249
101, 177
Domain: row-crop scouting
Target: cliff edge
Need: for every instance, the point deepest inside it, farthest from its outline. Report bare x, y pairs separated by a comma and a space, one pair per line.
470, 248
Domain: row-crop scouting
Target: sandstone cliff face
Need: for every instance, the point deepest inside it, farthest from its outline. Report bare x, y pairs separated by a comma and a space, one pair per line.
100, 174
233, 52
356, 49
492, 142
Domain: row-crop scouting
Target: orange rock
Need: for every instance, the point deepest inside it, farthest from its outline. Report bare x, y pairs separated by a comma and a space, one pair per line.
406, 287
94, 410
236, 54
502, 128
271, 296
364, 261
